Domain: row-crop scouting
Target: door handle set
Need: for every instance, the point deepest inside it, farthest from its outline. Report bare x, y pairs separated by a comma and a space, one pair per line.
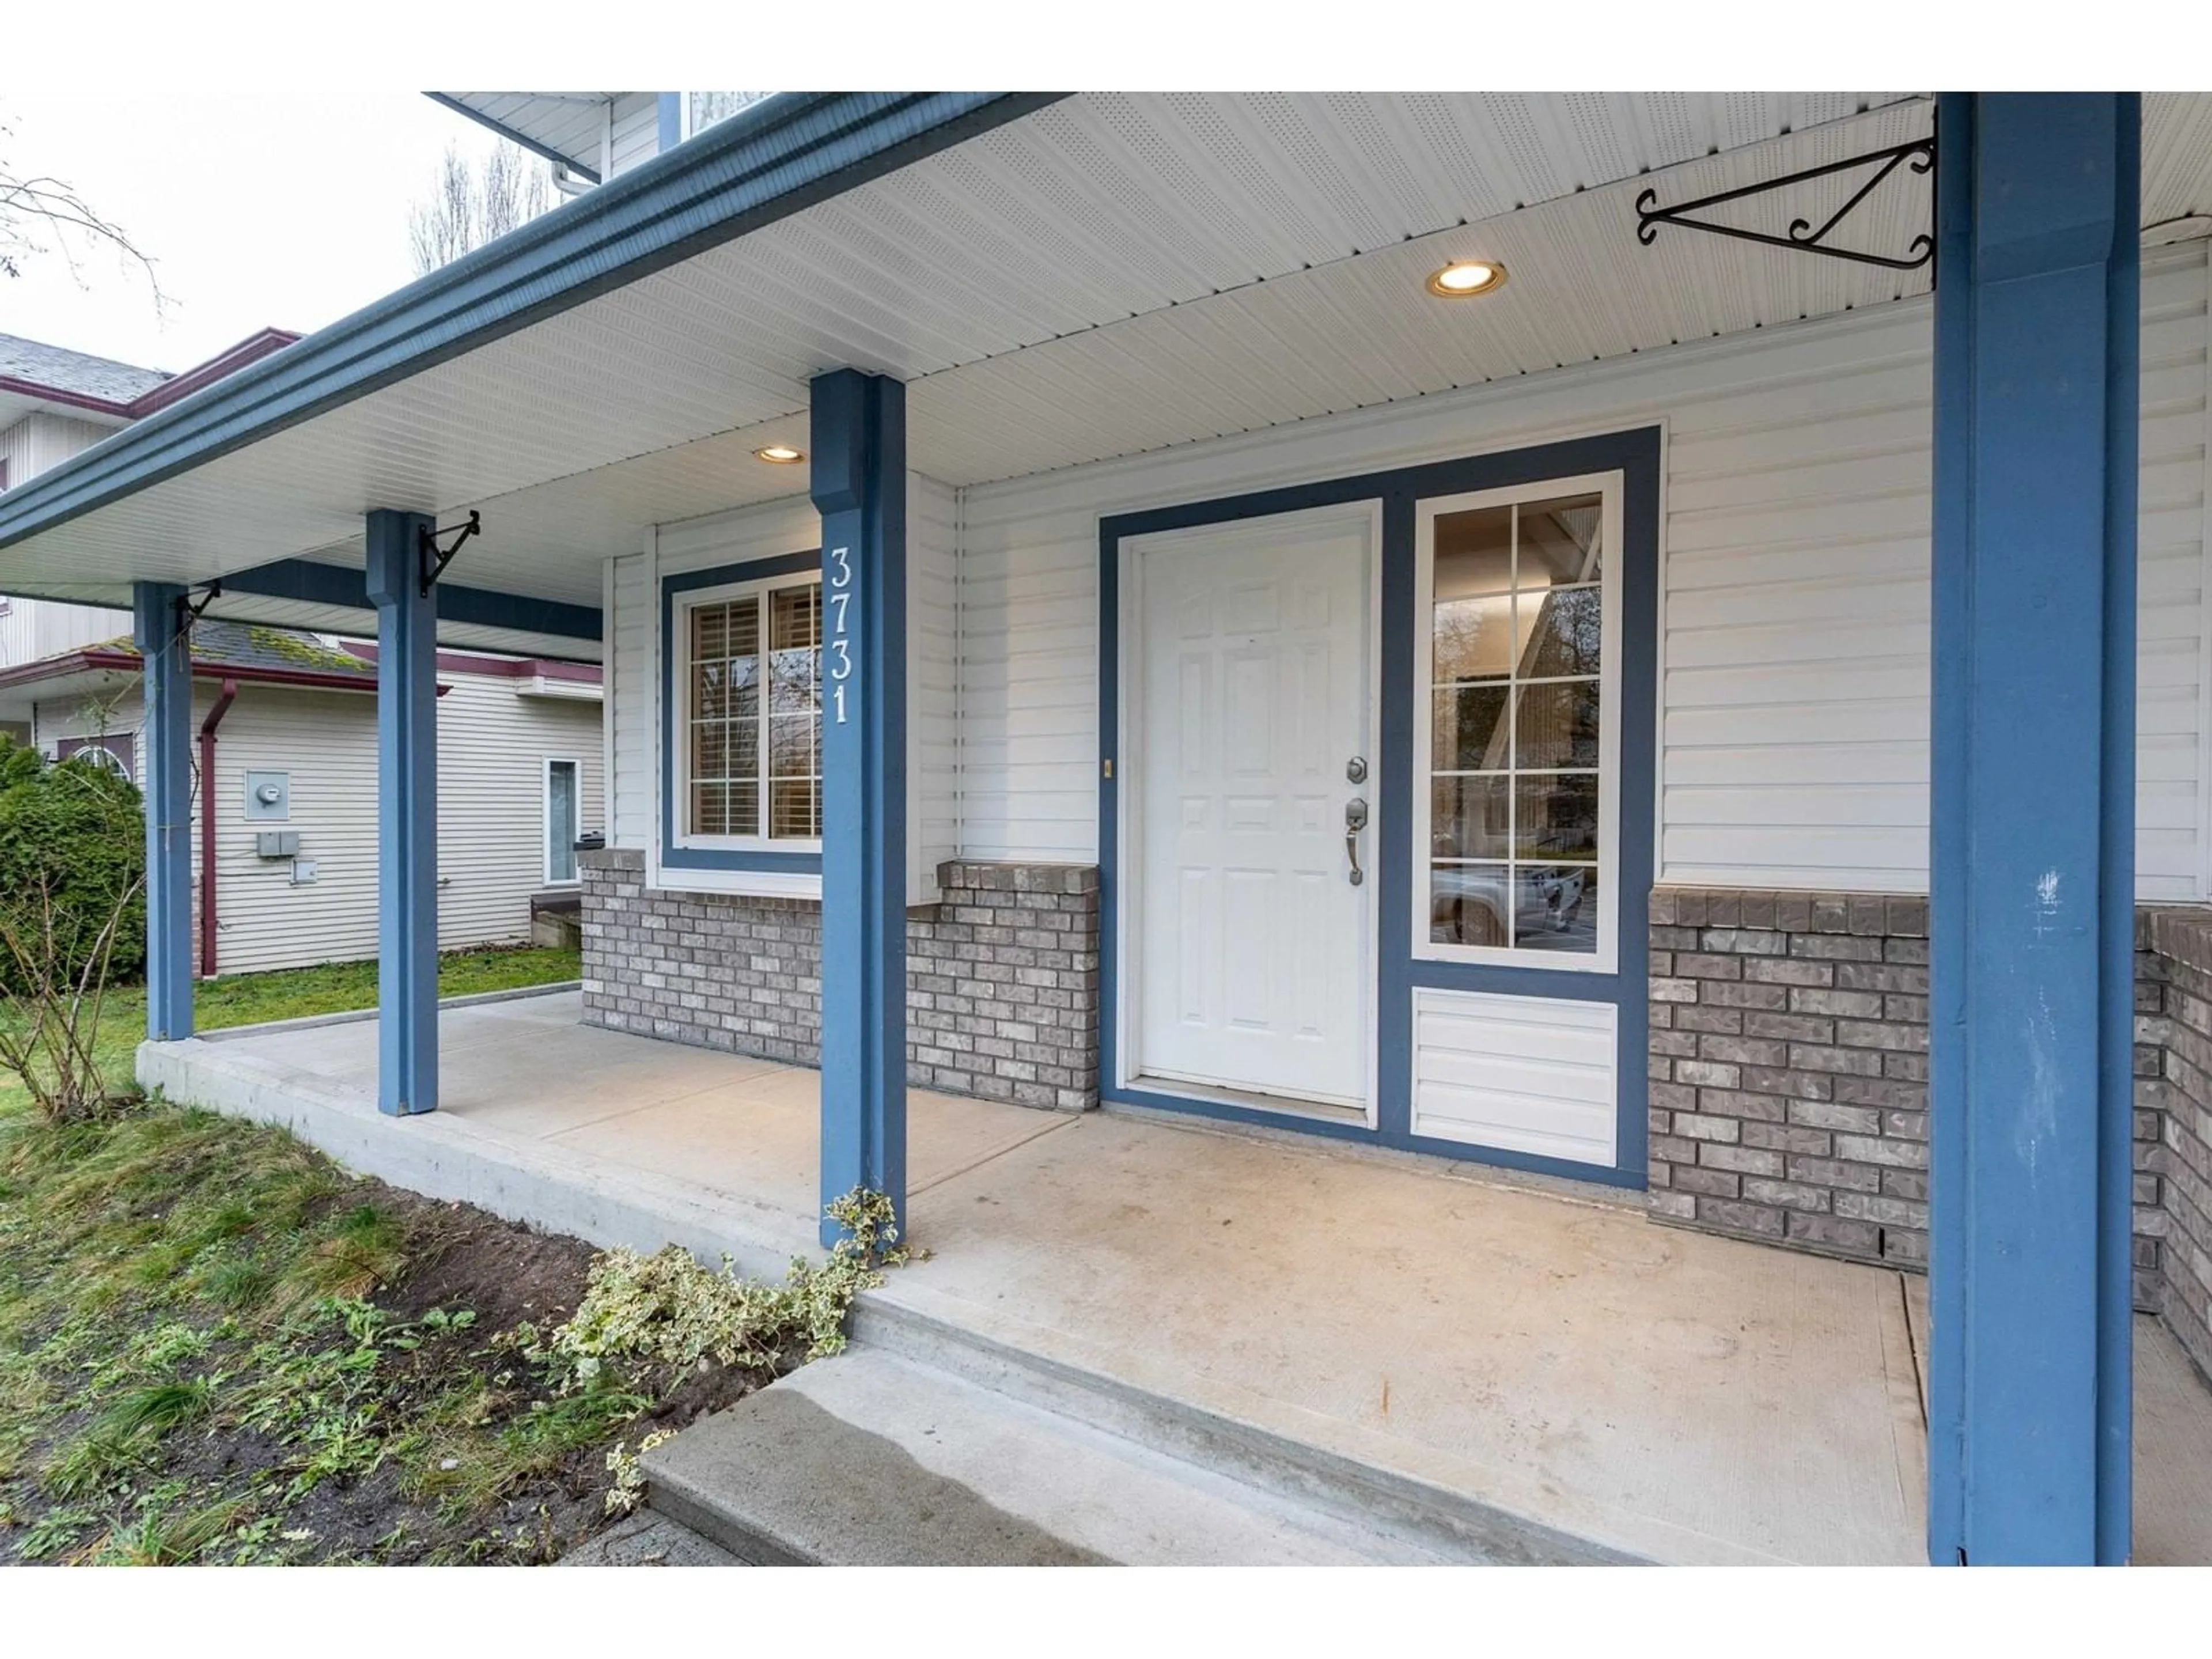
1355, 820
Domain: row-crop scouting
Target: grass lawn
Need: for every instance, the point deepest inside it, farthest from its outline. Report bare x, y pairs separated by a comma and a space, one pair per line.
216, 1345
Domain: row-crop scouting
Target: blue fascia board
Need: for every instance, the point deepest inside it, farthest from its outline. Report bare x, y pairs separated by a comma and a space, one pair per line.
765, 163
523, 139
309, 581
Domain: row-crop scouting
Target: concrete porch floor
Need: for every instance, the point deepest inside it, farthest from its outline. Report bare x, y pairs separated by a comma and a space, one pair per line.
1667, 1394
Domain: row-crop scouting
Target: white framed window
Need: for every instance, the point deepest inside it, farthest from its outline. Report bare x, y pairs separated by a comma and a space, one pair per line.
1517, 726
747, 682
564, 784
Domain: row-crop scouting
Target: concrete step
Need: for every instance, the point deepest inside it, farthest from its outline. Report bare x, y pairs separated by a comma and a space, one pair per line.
871, 1459
1435, 1510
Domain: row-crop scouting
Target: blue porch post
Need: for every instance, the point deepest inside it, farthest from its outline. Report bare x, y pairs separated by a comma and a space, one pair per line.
2033, 865
406, 815
164, 644
858, 462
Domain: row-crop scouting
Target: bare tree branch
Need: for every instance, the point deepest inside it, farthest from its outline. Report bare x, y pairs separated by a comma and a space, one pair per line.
466, 210
41, 215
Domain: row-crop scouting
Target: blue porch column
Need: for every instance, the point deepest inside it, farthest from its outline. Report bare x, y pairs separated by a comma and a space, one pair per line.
2034, 824
859, 461
164, 645
406, 815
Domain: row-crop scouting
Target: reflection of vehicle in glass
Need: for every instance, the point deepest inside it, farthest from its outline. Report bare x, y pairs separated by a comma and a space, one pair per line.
1467, 903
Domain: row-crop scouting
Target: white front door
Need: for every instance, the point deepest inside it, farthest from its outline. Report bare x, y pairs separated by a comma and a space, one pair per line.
1252, 965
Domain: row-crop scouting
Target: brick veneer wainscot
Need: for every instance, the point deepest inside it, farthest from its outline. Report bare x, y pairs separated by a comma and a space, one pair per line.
1002, 977
1790, 1074
2173, 1009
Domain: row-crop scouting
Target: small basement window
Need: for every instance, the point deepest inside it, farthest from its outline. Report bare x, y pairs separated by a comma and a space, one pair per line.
748, 682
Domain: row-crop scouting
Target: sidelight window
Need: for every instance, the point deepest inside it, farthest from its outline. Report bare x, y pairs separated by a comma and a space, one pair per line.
1515, 720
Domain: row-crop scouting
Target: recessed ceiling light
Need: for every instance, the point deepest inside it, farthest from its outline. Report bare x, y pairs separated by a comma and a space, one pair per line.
1464, 277
781, 454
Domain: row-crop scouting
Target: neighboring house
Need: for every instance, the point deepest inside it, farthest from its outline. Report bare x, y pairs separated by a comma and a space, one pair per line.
590, 136
1356, 615
55, 403
288, 721
519, 736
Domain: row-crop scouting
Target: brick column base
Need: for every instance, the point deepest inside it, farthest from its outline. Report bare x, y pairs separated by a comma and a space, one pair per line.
1790, 1073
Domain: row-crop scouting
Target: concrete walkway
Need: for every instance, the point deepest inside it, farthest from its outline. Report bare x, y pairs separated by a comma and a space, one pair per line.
1659, 1393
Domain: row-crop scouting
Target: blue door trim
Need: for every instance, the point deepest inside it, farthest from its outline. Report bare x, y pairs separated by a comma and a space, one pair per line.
673, 857
1634, 454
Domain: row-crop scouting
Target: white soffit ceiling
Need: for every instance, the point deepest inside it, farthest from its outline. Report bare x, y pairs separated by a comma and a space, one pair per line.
1114, 274
571, 123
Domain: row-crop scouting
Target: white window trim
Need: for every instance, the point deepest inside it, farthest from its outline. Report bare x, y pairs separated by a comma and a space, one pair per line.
1610, 487
545, 838
679, 683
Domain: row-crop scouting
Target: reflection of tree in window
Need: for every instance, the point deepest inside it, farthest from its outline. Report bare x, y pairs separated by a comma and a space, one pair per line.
1517, 625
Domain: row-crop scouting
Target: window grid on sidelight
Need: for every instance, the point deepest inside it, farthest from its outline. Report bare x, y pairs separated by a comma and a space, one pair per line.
755, 716
1517, 622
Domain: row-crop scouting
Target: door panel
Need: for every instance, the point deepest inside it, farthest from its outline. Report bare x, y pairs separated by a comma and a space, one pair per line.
1253, 969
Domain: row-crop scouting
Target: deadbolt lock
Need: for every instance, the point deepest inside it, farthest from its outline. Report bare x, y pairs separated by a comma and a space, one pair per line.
1355, 769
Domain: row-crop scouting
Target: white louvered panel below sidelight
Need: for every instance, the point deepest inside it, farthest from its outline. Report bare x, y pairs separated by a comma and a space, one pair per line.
1525, 1074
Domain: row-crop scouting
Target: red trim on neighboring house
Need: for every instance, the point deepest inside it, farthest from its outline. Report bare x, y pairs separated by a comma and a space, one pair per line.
512, 668
129, 662
251, 349
54, 394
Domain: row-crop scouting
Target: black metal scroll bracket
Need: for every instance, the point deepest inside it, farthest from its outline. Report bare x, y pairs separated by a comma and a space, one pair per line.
1803, 235
434, 558
188, 613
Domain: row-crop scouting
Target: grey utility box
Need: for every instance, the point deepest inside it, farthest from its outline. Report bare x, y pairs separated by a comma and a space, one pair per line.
268, 796
277, 844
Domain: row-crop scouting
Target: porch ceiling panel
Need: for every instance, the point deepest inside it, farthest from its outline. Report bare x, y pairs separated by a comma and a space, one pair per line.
2177, 158
1075, 221
1106, 276
570, 124
1361, 331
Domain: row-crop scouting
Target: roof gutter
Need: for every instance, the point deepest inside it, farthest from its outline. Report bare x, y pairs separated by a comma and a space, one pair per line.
765, 163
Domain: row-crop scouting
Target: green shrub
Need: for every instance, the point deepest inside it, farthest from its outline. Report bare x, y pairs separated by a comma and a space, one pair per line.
72, 833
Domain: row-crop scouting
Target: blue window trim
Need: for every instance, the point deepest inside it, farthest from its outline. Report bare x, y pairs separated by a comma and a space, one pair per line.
1636, 455
673, 857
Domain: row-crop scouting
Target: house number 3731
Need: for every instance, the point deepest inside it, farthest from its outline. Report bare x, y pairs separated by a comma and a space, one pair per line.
841, 643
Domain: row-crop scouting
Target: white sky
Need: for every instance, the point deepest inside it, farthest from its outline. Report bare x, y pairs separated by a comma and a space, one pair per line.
260, 209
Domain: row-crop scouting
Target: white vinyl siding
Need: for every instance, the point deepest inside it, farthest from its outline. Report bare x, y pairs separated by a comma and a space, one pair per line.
32, 628
932, 771
492, 749
1794, 607
635, 131
493, 744
629, 621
